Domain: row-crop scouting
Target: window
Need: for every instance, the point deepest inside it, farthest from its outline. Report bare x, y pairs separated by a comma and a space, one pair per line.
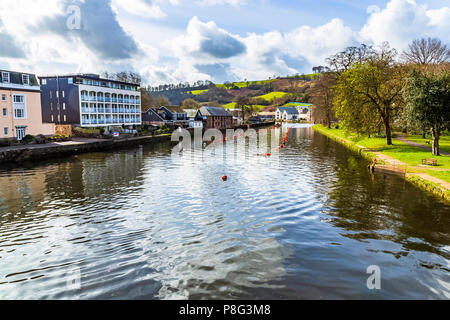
5, 77
25, 79
3, 97
65, 119
64, 106
70, 80
57, 94
44, 82
5, 130
51, 106
5, 112
53, 118
63, 94
19, 106
51, 94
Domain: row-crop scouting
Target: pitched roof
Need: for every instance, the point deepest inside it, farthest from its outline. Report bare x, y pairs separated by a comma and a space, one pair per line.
289, 110
151, 116
214, 111
191, 113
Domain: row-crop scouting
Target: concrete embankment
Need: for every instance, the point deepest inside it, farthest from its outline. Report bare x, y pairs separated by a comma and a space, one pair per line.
36, 152
438, 188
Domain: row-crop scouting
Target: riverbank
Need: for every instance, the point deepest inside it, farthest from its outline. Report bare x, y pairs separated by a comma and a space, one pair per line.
401, 159
37, 152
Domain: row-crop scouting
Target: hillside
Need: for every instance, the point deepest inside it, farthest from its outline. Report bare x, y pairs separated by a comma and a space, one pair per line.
264, 94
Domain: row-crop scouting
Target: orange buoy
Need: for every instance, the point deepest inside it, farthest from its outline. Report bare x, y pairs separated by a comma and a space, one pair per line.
224, 178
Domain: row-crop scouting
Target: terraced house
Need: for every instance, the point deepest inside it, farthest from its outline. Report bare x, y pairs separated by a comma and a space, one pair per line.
20, 106
88, 100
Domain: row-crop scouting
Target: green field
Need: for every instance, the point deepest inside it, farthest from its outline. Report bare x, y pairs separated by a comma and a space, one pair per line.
197, 92
232, 105
272, 95
243, 84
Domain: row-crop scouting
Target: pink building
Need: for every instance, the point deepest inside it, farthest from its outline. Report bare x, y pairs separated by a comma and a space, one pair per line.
20, 106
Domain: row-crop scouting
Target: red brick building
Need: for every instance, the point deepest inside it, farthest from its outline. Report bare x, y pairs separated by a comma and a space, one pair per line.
215, 118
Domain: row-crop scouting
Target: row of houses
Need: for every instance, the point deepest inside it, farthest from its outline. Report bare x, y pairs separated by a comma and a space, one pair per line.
32, 105
40, 105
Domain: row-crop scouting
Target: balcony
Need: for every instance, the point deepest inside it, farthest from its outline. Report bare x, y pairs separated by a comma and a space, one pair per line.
84, 98
114, 100
101, 110
101, 121
107, 99
92, 98
100, 99
115, 111
108, 110
120, 100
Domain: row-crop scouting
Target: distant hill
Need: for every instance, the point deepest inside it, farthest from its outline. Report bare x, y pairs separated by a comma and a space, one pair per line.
265, 94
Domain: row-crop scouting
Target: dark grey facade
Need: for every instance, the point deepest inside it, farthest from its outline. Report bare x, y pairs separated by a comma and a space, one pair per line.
89, 101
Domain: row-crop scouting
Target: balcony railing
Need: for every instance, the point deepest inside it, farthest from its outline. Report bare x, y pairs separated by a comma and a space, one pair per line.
114, 99
107, 99
92, 98
101, 110
84, 98
108, 110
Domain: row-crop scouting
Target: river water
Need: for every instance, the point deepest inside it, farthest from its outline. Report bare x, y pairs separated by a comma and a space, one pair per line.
138, 223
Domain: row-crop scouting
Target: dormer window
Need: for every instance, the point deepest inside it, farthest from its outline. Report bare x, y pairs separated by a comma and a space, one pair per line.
5, 77
25, 79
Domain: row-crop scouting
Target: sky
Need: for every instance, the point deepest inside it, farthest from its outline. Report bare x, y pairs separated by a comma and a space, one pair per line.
172, 41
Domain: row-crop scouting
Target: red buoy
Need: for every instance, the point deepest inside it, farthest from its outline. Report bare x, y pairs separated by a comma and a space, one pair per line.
224, 178
282, 146
268, 154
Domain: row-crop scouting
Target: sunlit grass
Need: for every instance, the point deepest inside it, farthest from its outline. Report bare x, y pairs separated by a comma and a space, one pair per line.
399, 150
272, 95
444, 141
197, 92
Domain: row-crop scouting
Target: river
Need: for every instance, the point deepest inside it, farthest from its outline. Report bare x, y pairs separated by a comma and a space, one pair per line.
138, 223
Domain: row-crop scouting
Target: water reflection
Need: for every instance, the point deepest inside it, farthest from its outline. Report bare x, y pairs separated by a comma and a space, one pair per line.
139, 224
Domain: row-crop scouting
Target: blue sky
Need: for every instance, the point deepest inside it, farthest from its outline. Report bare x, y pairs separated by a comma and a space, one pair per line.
218, 40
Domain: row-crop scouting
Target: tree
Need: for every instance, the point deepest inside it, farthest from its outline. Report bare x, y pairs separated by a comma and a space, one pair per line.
370, 92
190, 104
343, 60
322, 94
427, 96
124, 76
426, 51
246, 105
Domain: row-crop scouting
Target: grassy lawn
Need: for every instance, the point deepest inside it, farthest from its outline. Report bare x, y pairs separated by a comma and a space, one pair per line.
443, 175
401, 151
444, 141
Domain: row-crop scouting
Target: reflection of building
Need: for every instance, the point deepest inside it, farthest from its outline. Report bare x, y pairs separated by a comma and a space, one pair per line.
20, 106
214, 117
267, 116
90, 101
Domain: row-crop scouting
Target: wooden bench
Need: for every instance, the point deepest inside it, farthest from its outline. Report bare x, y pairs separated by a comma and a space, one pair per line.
429, 161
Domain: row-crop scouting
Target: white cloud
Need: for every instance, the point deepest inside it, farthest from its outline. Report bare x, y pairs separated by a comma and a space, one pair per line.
162, 52
404, 20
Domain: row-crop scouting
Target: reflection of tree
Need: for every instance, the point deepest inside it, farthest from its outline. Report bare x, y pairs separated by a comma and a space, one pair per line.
385, 208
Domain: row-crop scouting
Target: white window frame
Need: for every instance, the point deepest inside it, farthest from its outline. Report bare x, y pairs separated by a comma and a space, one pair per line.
19, 106
6, 75
26, 79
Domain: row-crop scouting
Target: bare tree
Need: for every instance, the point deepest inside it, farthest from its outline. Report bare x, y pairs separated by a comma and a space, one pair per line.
426, 51
342, 61
322, 94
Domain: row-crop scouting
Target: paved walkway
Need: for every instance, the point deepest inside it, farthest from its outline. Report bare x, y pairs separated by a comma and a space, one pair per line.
402, 138
74, 141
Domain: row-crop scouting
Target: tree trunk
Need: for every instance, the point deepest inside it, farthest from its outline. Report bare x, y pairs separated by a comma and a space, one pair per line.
435, 146
388, 132
424, 134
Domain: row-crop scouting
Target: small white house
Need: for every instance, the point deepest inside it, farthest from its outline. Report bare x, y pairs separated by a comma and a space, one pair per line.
287, 114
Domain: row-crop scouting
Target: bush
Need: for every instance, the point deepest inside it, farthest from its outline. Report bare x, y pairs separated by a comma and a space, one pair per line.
28, 139
5, 142
41, 139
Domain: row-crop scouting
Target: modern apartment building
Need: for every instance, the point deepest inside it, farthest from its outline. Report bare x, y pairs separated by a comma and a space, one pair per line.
20, 106
88, 100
